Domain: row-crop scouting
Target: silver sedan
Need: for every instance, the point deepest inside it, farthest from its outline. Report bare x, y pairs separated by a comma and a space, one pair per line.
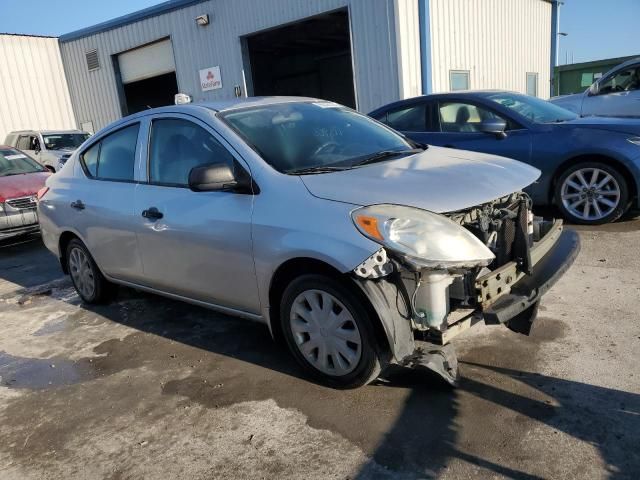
355, 246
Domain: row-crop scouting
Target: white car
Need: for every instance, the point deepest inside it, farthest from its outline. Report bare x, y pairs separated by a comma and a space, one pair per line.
615, 94
49, 148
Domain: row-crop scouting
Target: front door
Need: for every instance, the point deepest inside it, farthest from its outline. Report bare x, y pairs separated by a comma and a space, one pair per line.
194, 244
456, 124
618, 95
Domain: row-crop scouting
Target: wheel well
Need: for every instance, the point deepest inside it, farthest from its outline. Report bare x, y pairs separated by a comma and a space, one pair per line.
624, 171
65, 238
292, 269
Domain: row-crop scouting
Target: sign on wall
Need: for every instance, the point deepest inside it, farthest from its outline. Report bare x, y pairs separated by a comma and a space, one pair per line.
210, 79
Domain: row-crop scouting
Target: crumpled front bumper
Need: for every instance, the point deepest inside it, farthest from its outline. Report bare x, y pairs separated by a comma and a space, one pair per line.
505, 294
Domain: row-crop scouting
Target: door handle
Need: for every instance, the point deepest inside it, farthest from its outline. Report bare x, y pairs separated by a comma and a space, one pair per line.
152, 214
78, 205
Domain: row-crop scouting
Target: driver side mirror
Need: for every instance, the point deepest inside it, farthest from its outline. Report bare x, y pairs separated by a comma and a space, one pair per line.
217, 177
495, 126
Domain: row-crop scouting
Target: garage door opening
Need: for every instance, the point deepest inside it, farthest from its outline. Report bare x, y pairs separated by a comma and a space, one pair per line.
147, 77
308, 58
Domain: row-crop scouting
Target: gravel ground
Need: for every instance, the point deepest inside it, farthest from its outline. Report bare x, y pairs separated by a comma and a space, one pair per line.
149, 388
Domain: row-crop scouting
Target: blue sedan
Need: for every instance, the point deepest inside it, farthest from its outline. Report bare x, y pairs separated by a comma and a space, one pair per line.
590, 166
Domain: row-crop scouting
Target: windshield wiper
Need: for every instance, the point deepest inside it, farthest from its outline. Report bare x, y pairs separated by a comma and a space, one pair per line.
383, 155
316, 169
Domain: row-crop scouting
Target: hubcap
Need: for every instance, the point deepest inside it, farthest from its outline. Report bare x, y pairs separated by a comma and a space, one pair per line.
590, 194
81, 272
325, 332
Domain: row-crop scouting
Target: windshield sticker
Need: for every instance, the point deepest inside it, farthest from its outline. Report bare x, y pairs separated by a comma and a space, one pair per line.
326, 104
15, 157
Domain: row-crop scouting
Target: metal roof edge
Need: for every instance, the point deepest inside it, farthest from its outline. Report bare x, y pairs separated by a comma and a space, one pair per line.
153, 11
596, 63
33, 35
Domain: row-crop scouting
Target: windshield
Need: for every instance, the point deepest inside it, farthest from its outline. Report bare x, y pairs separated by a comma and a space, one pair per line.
535, 109
293, 137
13, 162
60, 141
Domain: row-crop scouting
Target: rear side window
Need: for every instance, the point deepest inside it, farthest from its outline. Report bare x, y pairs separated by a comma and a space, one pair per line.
90, 159
24, 143
177, 146
408, 119
113, 157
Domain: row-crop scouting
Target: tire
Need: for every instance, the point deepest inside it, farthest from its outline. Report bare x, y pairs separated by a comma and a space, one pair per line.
351, 356
78, 259
615, 192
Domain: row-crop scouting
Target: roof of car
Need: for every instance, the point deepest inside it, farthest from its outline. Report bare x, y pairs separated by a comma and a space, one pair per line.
46, 132
456, 94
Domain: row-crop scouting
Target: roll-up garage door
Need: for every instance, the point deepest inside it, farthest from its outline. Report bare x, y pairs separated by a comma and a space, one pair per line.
146, 62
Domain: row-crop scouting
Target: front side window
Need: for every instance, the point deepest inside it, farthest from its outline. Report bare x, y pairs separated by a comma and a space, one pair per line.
113, 157
408, 119
307, 135
532, 84
61, 141
177, 146
624, 81
534, 109
13, 162
459, 117
459, 80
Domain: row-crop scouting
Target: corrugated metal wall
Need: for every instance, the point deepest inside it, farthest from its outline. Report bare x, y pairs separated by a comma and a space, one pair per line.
33, 86
407, 31
374, 41
497, 41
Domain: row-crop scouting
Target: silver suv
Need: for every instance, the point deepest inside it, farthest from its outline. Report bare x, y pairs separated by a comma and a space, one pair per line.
50, 148
354, 245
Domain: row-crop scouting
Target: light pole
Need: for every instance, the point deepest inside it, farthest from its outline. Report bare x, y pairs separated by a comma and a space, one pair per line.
560, 34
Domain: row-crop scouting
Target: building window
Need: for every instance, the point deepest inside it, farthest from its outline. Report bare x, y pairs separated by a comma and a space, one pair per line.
532, 84
459, 79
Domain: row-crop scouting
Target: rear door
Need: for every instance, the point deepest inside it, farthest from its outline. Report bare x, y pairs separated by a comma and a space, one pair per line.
194, 244
101, 198
618, 95
456, 124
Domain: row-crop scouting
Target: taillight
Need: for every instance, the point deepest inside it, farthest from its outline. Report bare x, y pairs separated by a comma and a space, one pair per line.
42, 192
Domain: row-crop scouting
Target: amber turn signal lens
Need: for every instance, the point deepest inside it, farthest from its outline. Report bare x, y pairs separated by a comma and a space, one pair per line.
370, 226
42, 192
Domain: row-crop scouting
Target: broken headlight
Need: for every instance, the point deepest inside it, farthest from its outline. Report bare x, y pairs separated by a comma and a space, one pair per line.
424, 239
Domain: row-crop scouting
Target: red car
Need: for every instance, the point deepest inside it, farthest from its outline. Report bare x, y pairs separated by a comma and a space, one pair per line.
21, 178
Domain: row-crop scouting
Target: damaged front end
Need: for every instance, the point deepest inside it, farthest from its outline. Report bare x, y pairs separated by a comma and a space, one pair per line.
431, 280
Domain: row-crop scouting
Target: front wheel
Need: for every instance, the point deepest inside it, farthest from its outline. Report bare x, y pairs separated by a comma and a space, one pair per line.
592, 193
329, 332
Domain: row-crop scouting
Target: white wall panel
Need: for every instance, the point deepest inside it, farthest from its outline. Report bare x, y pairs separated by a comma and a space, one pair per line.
497, 41
33, 85
373, 38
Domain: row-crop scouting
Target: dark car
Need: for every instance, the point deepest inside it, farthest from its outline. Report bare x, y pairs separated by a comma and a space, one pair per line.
590, 166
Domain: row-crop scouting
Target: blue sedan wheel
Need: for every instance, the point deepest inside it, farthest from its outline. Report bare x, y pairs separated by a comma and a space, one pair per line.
592, 193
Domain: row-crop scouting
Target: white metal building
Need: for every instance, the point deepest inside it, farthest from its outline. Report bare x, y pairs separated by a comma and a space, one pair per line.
33, 85
362, 53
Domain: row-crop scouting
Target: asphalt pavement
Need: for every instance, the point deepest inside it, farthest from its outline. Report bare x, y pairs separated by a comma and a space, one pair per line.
146, 387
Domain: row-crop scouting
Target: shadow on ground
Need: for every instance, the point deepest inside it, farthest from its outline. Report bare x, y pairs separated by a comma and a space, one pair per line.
409, 423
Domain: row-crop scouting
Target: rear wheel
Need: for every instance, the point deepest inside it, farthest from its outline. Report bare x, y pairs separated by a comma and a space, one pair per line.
329, 332
86, 277
592, 193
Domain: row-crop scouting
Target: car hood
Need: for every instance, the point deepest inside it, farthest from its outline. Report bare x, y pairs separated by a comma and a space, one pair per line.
22, 185
62, 151
438, 179
622, 125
